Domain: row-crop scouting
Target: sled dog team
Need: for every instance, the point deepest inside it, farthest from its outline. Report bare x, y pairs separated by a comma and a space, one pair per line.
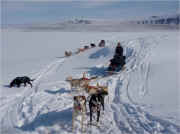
97, 93
79, 50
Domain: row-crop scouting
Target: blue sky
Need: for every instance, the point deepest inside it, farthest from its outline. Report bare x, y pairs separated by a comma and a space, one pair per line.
36, 12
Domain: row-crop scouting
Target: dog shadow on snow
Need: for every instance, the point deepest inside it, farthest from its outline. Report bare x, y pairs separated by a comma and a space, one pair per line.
94, 71
104, 52
6, 86
49, 119
60, 91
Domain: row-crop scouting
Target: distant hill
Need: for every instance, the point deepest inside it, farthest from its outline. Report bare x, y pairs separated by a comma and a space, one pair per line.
78, 25
79, 21
174, 19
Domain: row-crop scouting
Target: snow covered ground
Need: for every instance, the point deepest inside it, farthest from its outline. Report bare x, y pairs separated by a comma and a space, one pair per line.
143, 99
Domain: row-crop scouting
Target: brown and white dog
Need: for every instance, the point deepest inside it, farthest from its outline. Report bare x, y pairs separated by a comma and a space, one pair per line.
79, 103
79, 108
67, 54
103, 89
79, 83
80, 50
91, 89
95, 89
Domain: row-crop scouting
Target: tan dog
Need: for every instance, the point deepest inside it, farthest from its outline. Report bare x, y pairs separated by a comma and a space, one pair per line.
78, 83
95, 89
75, 83
103, 89
80, 50
91, 89
79, 108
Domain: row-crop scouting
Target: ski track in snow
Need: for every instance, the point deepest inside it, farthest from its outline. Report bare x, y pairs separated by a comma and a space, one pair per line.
50, 111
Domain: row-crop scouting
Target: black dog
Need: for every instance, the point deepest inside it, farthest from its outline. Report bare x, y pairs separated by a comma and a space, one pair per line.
95, 103
102, 43
86, 47
19, 80
92, 45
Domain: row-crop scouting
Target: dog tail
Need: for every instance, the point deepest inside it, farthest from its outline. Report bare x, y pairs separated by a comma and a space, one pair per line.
32, 79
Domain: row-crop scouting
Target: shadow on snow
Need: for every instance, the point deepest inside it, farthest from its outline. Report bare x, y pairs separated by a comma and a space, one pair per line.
60, 91
94, 71
102, 52
49, 119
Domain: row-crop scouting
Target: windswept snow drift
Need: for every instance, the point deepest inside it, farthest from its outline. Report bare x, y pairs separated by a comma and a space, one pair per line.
139, 97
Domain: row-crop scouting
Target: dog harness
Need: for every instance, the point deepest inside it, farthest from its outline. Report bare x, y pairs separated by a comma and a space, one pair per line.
85, 79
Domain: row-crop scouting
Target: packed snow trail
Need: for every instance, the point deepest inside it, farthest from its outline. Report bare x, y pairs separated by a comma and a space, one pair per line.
47, 108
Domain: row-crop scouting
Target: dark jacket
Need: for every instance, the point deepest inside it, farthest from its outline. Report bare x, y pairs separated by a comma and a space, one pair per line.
119, 50
118, 60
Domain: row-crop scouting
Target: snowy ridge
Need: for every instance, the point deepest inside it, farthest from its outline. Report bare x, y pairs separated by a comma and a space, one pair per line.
154, 23
47, 107
168, 20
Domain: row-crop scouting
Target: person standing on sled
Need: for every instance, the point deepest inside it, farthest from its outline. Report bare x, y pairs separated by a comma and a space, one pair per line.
119, 49
118, 60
